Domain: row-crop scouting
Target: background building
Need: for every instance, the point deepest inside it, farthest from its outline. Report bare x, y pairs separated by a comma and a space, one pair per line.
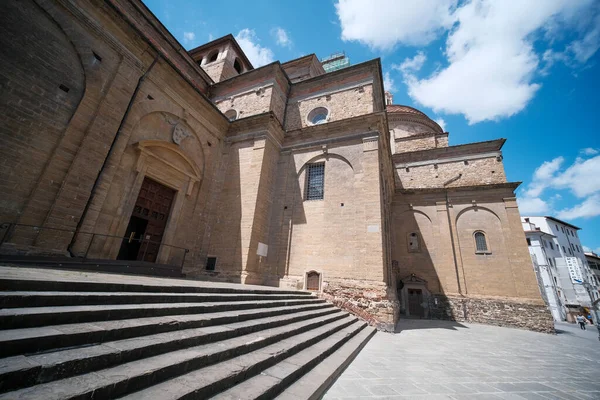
544, 253
561, 267
119, 144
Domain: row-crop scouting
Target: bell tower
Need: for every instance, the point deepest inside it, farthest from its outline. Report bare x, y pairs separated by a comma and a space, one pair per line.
222, 58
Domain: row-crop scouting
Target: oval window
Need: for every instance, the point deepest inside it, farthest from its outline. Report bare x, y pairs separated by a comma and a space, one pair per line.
231, 115
318, 116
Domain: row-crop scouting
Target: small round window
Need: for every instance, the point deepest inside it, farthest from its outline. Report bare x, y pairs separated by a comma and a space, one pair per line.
318, 116
231, 115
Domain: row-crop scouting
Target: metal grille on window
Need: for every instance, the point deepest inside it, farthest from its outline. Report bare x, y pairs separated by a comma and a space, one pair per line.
480, 242
315, 181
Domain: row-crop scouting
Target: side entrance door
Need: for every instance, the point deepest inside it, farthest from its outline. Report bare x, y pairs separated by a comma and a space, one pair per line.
147, 223
415, 299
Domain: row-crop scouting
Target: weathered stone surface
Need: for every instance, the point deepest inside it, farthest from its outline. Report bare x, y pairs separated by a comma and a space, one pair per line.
76, 159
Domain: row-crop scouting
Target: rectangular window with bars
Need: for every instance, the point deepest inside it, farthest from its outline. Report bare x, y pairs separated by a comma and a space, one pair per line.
315, 181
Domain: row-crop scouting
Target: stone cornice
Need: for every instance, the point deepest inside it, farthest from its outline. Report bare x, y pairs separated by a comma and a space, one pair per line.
337, 130
420, 135
441, 153
506, 185
152, 30
265, 124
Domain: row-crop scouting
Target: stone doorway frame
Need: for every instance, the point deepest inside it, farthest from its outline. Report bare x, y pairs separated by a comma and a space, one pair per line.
181, 176
412, 281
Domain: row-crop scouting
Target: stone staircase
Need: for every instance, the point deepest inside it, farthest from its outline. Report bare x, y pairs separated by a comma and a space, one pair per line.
82, 335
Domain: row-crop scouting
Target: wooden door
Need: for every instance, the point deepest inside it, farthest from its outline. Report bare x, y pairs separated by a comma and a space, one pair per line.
153, 205
312, 280
415, 299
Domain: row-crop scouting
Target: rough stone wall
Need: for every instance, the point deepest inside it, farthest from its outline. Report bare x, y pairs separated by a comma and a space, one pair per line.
341, 105
442, 140
508, 312
415, 143
418, 142
215, 69
369, 300
248, 102
476, 172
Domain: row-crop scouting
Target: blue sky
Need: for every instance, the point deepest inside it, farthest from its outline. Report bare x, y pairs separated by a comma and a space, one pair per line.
524, 70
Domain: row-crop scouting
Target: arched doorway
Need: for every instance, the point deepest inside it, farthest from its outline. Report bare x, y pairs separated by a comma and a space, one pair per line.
413, 296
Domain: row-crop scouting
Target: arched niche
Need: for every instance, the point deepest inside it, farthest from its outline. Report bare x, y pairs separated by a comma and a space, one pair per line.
485, 272
168, 163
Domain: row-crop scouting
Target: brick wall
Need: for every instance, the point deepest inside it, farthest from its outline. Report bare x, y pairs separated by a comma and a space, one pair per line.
341, 105
34, 111
475, 172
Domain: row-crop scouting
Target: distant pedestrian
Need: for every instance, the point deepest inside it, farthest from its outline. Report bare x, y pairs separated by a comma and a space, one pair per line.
589, 317
581, 321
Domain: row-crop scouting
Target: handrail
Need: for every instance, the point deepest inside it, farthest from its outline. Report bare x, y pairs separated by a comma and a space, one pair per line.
8, 227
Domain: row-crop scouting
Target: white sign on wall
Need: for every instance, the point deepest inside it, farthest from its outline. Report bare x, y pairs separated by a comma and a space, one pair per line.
574, 270
262, 249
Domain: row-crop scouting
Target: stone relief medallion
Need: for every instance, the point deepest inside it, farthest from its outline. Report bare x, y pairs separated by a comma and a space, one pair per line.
179, 133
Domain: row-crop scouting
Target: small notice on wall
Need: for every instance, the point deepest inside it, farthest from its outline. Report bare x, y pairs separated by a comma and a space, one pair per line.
373, 228
262, 249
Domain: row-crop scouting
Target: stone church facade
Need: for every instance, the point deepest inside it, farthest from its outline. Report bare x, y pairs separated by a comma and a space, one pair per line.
281, 175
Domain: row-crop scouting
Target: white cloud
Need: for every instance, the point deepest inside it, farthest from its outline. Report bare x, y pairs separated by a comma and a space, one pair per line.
411, 65
211, 37
542, 176
281, 37
492, 63
188, 36
532, 206
588, 151
441, 123
388, 83
586, 47
590, 207
257, 54
580, 178
381, 24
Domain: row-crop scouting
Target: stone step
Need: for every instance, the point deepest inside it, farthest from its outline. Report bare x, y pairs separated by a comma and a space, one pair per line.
34, 279
256, 351
206, 382
315, 383
274, 380
10, 299
32, 340
12, 318
22, 371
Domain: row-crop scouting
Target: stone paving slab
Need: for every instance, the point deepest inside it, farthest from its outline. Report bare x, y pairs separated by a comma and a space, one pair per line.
450, 360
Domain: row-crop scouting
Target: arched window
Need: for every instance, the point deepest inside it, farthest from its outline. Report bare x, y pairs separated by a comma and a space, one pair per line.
237, 66
231, 114
213, 56
318, 116
414, 245
481, 243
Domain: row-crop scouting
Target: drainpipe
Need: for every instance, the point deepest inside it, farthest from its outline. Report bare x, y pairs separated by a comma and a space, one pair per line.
94, 190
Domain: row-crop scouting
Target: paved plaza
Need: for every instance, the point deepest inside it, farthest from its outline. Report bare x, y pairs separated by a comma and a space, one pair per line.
450, 360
